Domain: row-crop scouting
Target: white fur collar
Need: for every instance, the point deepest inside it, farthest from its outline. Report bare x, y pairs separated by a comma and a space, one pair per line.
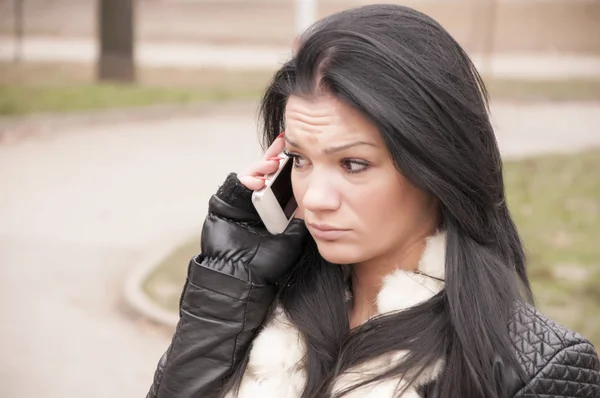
275, 368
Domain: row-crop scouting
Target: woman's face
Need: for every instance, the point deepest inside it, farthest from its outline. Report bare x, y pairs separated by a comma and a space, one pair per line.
356, 204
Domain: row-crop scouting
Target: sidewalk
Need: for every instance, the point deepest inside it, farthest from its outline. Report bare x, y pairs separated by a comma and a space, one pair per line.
186, 55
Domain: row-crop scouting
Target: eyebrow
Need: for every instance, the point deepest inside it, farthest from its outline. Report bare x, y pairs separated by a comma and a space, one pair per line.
334, 149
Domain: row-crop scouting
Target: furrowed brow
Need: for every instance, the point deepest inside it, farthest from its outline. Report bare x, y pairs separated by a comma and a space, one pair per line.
331, 150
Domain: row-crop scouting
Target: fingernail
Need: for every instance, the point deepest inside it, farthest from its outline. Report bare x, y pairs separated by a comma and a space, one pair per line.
275, 158
281, 135
262, 178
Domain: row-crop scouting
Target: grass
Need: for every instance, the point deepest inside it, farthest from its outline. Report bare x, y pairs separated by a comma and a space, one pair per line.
40, 88
164, 285
23, 100
555, 201
556, 204
43, 87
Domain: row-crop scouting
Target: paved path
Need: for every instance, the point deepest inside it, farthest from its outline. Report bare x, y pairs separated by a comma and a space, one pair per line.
78, 207
199, 55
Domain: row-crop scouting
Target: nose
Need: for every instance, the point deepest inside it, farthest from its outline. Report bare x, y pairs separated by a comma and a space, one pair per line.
320, 196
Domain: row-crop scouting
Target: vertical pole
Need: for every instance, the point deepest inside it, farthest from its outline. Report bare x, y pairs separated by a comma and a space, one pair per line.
490, 36
18, 20
474, 38
306, 14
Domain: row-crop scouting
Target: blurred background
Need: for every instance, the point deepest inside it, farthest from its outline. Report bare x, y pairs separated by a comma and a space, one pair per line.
119, 118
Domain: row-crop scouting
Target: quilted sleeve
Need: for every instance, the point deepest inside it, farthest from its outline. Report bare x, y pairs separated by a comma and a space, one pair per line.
574, 371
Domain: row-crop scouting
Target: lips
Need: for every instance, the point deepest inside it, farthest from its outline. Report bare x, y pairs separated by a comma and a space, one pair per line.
326, 232
325, 227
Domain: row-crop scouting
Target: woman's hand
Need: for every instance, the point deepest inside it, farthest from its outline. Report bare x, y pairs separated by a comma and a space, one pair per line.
253, 177
234, 239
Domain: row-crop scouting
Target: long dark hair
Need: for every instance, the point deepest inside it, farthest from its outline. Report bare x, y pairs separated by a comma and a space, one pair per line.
407, 75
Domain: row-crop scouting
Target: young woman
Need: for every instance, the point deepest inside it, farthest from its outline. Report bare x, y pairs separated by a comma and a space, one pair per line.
404, 275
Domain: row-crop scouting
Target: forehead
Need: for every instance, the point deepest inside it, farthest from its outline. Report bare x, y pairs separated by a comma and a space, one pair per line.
326, 115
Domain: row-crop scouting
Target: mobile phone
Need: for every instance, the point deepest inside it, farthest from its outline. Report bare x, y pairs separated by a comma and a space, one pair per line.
275, 202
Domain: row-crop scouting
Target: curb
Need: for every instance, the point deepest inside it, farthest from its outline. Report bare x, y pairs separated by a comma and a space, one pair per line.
134, 294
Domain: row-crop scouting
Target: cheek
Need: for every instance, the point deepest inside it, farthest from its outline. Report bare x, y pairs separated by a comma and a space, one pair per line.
378, 208
386, 214
393, 213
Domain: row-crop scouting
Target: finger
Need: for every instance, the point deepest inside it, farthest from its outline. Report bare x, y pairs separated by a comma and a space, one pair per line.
251, 182
262, 168
265, 167
276, 147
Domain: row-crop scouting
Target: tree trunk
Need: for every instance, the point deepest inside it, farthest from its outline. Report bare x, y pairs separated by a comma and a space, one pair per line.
116, 35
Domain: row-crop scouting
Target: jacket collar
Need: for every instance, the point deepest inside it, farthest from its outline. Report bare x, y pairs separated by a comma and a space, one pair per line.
404, 289
275, 367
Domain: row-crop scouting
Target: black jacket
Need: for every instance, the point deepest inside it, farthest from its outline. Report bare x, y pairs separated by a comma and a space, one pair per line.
220, 313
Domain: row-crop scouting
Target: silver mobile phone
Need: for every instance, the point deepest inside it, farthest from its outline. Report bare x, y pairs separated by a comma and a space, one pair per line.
275, 202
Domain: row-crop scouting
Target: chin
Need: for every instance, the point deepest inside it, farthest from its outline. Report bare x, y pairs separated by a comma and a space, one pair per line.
339, 253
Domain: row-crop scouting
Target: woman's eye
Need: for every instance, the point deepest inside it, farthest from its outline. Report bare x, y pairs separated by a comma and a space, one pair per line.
297, 160
354, 166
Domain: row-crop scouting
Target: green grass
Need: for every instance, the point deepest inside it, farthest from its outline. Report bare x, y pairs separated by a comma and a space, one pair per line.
555, 201
47, 87
16, 100
556, 204
42, 88
164, 285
